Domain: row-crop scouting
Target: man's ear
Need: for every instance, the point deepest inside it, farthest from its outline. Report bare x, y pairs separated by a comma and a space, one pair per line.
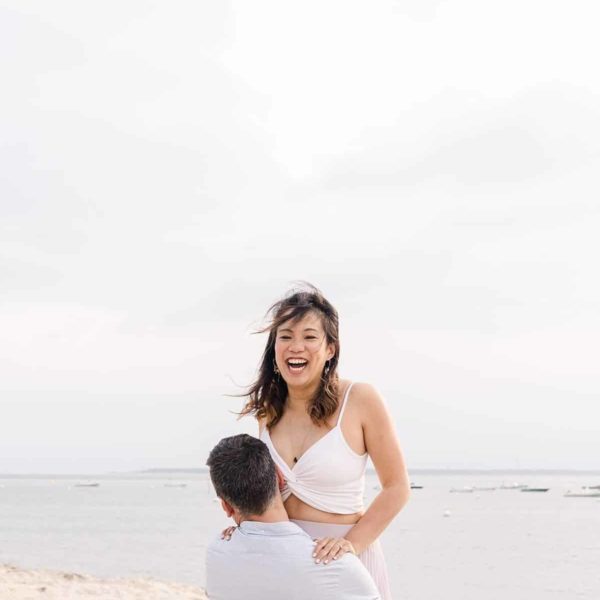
280, 478
227, 507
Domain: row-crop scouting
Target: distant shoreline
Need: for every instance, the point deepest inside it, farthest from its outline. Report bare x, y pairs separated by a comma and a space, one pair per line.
202, 471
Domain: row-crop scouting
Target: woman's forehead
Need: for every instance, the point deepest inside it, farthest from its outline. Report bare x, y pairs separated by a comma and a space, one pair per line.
308, 321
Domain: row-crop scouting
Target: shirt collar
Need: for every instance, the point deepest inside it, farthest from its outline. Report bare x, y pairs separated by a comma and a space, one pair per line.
278, 528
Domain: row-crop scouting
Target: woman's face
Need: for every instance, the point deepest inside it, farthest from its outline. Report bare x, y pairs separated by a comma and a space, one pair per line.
301, 350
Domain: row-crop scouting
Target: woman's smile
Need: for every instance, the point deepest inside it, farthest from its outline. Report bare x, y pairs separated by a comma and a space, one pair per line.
296, 365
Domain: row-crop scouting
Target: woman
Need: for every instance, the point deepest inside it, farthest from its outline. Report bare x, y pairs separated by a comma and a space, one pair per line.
320, 430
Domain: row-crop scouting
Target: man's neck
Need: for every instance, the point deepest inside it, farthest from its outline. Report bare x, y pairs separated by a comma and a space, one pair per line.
273, 514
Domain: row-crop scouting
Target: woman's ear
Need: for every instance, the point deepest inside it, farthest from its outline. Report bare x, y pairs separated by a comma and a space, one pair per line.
330, 351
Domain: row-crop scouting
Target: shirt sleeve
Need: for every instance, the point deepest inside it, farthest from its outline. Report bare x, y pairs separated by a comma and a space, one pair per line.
355, 581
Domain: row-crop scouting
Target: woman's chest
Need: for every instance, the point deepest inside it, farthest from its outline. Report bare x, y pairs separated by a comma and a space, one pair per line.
318, 448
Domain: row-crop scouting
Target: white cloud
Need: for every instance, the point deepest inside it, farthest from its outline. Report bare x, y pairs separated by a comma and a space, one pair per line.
170, 170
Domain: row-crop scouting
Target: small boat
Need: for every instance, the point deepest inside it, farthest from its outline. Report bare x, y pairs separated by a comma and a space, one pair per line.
592, 487
87, 484
176, 485
484, 489
534, 489
464, 490
513, 486
584, 493
414, 486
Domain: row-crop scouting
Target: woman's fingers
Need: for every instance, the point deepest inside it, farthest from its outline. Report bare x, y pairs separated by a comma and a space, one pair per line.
345, 546
227, 533
328, 549
319, 550
340, 552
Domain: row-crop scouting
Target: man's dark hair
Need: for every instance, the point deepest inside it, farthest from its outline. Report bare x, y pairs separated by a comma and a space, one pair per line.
243, 473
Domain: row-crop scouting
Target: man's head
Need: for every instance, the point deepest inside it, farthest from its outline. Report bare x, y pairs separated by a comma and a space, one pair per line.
243, 475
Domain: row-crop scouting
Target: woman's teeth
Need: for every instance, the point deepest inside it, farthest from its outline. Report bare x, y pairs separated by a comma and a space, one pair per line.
297, 366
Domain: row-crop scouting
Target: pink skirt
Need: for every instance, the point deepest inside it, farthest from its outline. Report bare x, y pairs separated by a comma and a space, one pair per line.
372, 557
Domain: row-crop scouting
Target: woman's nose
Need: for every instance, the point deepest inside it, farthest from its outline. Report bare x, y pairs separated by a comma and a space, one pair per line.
297, 345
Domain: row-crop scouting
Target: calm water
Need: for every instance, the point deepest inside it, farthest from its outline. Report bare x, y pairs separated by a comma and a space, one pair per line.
501, 544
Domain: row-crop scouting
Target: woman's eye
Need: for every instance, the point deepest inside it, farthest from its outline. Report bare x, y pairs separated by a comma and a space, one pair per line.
311, 337
284, 337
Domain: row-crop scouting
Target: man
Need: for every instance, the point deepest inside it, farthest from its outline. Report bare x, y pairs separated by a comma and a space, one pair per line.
268, 557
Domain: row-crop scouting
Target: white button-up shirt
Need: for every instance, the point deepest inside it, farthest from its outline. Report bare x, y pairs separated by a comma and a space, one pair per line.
273, 561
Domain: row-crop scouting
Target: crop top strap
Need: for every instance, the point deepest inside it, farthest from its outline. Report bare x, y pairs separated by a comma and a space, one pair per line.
344, 402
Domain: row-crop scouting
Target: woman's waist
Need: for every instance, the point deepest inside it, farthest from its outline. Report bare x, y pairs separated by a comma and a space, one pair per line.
300, 510
320, 530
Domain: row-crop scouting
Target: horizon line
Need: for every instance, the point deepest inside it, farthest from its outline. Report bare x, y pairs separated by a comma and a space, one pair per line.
420, 470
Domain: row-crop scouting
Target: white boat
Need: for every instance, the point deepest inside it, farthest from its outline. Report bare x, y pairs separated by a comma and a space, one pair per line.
513, 486
484, 489
92, 484
176, 485
583, 493
463, 490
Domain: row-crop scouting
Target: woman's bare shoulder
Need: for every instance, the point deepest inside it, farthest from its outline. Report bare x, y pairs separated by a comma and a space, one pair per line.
366, 397
342, 386
364, 390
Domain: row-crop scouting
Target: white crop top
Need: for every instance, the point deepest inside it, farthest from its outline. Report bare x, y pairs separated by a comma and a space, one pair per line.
329, 476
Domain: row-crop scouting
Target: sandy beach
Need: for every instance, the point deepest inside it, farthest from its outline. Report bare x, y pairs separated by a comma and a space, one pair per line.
22, 584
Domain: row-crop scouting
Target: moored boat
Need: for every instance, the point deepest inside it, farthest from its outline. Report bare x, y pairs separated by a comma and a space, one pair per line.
583, 493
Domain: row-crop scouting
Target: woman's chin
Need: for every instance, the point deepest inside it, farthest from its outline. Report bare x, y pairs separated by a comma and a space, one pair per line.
297, 379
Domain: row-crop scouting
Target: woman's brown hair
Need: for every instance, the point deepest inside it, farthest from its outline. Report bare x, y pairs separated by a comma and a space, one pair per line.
267, 395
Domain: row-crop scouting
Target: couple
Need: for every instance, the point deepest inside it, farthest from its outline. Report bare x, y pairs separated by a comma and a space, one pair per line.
319, 431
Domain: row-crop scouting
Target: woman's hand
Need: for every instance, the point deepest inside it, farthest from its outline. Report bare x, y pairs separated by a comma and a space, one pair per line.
327, 549
227, 533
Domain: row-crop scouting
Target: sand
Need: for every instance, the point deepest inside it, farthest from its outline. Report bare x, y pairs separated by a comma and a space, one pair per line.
22, 584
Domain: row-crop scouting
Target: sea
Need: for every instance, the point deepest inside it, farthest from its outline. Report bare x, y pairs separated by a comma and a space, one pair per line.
484, 544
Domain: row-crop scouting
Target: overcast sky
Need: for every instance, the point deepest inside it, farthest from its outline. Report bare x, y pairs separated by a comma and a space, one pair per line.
169, 169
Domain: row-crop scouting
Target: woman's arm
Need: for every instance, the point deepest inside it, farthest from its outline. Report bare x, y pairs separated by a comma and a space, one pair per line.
383, 447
